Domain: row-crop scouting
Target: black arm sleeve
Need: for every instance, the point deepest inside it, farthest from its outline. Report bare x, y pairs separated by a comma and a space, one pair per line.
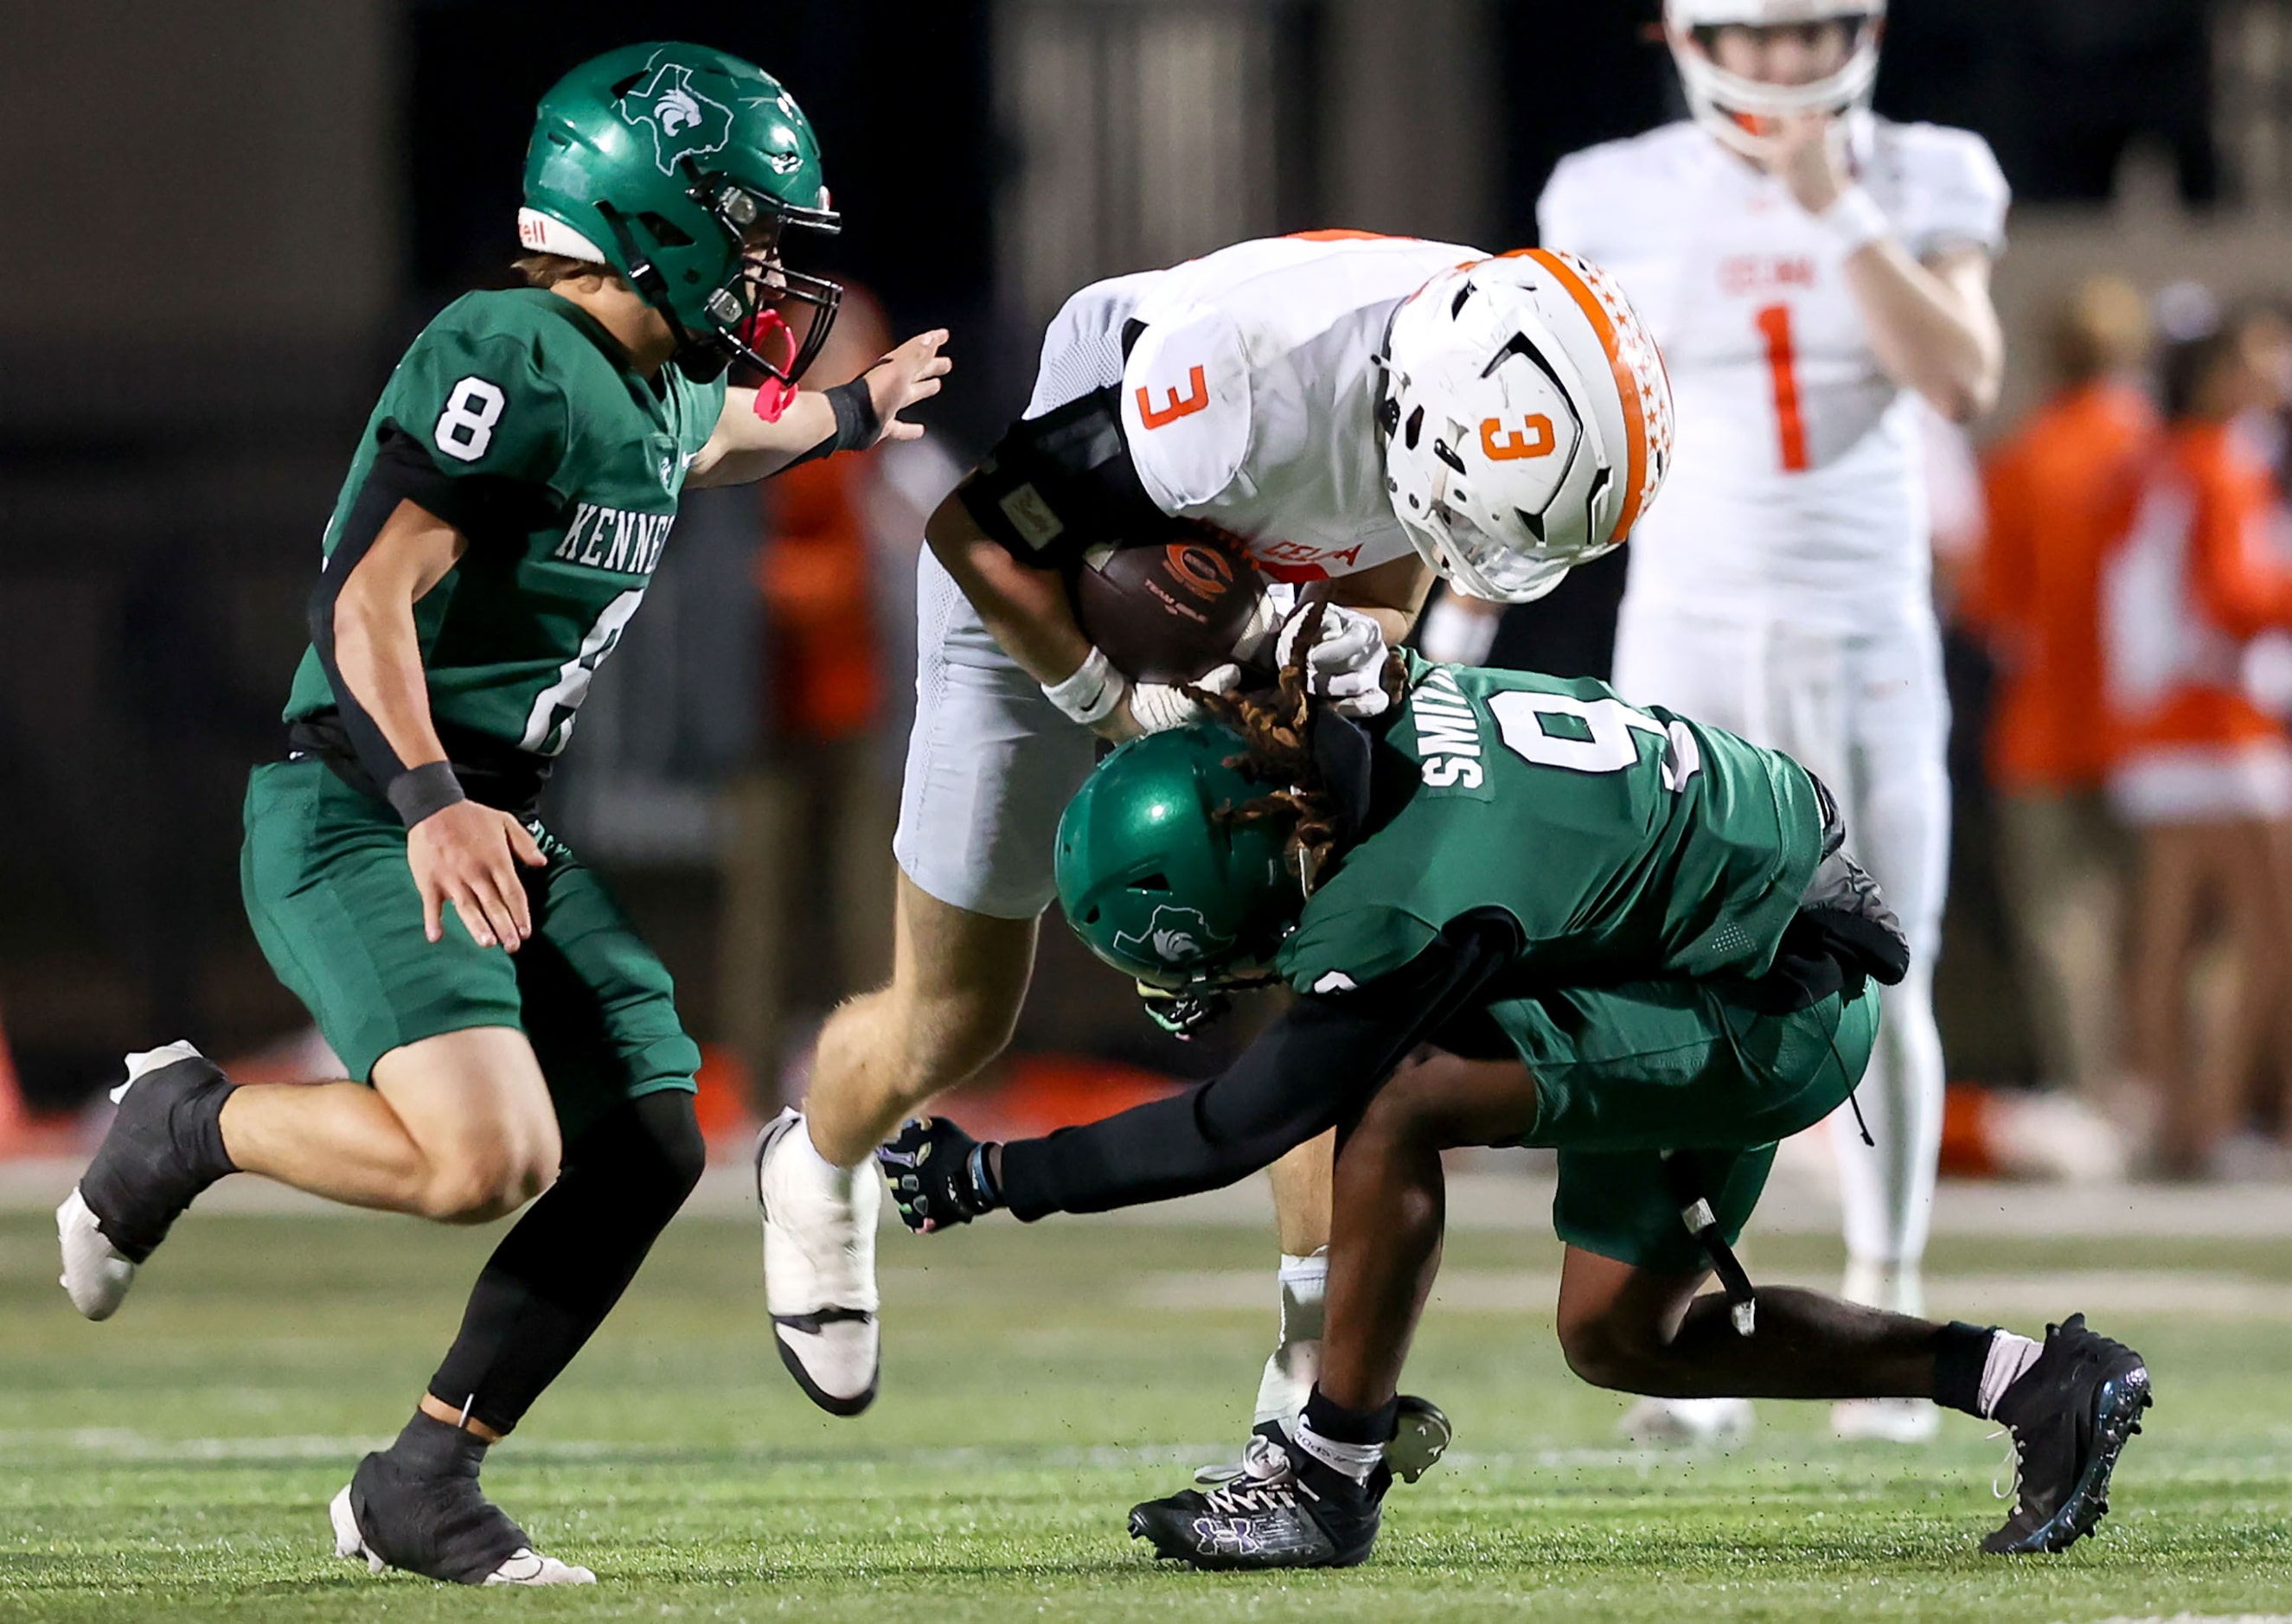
1317, 1067
1057, 484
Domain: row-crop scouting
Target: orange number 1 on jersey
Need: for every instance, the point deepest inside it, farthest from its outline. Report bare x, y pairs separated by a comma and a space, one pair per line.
1782, 362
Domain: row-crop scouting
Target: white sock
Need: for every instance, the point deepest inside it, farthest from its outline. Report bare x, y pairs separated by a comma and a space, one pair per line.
1355, 1460
818, 1166
2009, 1356
1296, 1360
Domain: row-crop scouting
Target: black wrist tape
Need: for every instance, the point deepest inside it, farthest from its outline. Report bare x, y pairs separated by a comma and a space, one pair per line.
420, 791
857, 424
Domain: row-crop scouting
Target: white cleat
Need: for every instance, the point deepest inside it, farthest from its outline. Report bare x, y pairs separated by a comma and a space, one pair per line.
1885, 1420
1688, 1423
520, 1567
95, 1275
820, 1265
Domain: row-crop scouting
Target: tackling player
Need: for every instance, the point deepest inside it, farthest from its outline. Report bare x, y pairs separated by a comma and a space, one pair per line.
508, 503
1808, 269
1636, 939
1358, 411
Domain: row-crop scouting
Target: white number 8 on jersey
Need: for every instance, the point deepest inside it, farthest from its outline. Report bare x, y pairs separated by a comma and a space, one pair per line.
465, 427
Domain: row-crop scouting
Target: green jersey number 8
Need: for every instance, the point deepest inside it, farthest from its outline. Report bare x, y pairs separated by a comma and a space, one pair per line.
1590, 736
465, 427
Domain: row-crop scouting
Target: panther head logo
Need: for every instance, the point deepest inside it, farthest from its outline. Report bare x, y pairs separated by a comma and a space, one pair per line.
1176, 936
685, 124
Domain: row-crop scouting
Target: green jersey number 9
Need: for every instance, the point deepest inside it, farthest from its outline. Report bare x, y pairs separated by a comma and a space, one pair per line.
1590, 736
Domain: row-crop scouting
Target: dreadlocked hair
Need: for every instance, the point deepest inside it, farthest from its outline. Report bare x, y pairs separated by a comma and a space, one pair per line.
1276, 725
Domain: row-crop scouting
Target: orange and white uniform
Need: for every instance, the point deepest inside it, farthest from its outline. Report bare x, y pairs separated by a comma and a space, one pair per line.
1781, 588
2059, 494
2193, 583
1248, 392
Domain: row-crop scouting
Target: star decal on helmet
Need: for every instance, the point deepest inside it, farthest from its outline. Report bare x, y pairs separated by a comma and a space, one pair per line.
685, 124
1176, 936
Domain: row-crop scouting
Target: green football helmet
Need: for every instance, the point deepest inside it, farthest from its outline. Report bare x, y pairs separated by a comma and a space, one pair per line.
681, 167
1159, 885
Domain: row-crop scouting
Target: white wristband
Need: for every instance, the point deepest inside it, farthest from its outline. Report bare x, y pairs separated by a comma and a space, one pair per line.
1090, 695
1855, 220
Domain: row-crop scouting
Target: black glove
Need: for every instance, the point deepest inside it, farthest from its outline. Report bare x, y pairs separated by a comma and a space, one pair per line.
937, 1174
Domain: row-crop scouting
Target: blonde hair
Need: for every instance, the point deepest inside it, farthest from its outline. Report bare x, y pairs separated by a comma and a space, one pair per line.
548, 269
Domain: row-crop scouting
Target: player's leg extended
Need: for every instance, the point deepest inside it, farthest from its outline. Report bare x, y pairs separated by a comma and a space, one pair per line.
1310, 1495
601, 1013
456, 1128
990, 765
548, 1286
1897, 805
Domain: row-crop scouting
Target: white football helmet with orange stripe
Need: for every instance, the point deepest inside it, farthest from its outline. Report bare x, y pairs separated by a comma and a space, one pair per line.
1527, 420
1743, 112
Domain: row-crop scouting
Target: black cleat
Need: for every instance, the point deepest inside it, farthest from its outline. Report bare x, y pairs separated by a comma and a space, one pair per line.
2070, 1415
163, 1148
438, 1524
1289, 1510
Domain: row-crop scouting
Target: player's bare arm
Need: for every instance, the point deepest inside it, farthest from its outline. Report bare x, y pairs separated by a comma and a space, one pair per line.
746, 447
1931, 322
464, 853
1392, 594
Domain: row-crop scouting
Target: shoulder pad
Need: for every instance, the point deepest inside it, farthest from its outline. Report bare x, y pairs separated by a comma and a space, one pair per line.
1953, 191
1186, 409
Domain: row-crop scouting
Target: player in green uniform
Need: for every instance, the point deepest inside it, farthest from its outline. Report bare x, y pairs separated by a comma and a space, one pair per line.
504, 1030
1620, 934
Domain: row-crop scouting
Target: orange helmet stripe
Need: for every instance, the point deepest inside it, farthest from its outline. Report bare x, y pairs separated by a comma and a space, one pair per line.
1627, 385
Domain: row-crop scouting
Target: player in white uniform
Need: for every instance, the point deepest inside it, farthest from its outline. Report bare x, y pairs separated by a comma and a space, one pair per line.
1809, 268
1292, 393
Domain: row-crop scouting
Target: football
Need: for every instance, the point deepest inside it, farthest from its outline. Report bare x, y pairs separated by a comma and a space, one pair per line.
1174, 610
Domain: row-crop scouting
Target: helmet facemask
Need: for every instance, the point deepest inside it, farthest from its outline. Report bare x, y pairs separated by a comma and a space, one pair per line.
741, 321
1744, 113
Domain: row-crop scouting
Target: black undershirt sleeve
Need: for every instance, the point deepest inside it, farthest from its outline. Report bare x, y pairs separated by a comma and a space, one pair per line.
478, 505
1316, 1068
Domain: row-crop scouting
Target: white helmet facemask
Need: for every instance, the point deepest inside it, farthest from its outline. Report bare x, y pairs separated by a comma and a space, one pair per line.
1742, 112
1526, 418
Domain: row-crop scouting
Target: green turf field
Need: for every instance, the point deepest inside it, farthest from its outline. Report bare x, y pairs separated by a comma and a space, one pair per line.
176, 1462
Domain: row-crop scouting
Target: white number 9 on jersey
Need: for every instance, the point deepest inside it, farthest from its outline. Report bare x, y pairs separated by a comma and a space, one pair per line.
465, 427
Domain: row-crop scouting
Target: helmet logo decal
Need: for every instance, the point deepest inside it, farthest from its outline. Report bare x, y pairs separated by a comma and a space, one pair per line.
685, 124
1538, 442
1176, 936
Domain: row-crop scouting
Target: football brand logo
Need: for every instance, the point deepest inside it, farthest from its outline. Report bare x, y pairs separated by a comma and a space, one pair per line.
1203, 571
685, 124
1175, 936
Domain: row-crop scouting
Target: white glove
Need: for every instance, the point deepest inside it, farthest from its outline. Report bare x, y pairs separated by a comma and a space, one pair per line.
1346, 663
1157, 707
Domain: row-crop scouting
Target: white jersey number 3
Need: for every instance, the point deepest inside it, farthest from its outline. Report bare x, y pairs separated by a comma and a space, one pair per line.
1596, 735
465, 427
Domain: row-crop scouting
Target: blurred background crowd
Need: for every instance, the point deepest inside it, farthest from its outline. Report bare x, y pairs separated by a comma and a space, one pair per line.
224, 222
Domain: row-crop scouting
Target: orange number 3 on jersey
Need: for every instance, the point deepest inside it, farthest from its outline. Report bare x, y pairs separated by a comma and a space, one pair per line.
1537, 441
1196, 396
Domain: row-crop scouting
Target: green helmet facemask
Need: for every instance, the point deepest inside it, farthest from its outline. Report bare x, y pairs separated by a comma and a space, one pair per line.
1161, 887
681, 167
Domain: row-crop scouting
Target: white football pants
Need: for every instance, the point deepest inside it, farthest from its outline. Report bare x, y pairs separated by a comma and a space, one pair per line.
1868, 714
